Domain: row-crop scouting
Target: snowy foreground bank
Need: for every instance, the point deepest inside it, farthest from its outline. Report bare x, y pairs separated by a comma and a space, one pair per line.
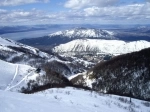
69, 100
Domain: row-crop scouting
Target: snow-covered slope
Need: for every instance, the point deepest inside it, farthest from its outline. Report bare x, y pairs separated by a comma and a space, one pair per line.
102, 46
15, 76
10, 45
69, 100
15, 52
84, 33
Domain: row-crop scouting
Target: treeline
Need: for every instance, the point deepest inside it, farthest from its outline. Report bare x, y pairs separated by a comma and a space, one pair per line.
51, 79
38, 88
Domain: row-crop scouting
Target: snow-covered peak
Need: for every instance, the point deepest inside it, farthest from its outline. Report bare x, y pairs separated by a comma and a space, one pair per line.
102, 46
84, 33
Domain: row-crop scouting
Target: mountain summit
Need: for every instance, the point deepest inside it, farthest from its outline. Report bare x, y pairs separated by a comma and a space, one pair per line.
62, 37
85, 33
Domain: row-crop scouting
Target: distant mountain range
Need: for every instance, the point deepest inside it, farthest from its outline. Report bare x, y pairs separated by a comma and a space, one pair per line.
65, 36
84, 33
61, 37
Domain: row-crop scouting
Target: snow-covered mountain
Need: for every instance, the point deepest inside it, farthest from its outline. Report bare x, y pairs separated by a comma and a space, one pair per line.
101, 46
84, 33
61, 37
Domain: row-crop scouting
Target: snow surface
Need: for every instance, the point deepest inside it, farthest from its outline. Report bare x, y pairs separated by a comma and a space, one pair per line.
15, 76
102, 46
68, 100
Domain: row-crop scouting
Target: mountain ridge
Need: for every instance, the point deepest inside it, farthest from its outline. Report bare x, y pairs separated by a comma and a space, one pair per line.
85, 33
101, 46
60, 37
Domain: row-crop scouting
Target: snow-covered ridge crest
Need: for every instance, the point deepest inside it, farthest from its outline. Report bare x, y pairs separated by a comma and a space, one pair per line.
84, 33
5, 44
102, 46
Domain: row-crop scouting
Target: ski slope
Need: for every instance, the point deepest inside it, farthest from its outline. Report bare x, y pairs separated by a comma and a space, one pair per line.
15, 76
16, 73
69, 100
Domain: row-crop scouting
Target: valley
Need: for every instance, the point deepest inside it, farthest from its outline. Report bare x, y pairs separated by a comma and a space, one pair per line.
95, 63
74, 55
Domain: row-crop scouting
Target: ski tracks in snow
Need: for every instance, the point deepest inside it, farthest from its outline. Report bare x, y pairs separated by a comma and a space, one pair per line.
16, 72
25, 77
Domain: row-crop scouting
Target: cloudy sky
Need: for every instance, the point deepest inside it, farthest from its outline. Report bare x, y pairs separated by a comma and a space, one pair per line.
19, 12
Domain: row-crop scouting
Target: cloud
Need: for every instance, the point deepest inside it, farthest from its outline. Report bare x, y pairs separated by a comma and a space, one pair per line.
134, 13
18, 15
78, 4
123, 14
19, 2
33, 16
2, 11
